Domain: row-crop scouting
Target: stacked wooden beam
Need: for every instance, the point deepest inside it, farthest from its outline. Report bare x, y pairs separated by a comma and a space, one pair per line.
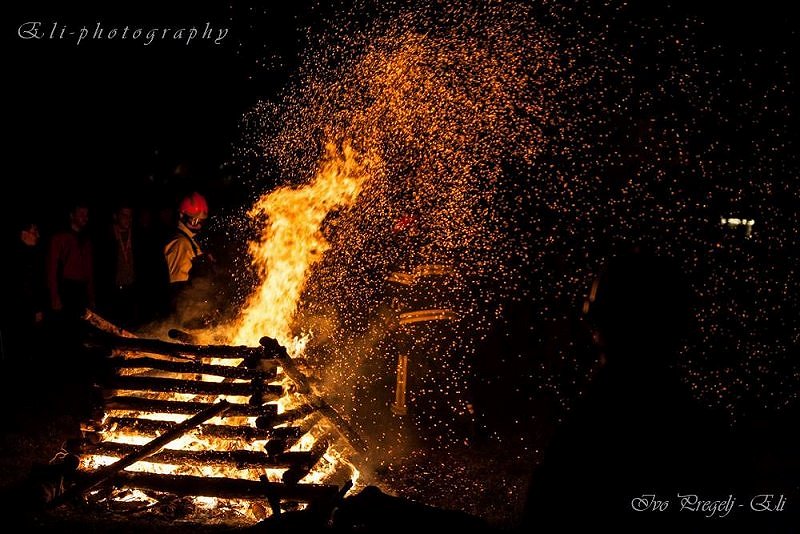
156, 382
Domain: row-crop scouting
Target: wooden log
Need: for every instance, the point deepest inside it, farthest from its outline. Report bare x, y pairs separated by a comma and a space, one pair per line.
224, 488
269, 421
273, 347
197, 387
104, 474
255, 400
257, 364
282, 441
152, 427
304, 428
183, 337
194, 367
347, 432
106, 326
158, 346
314, 400
236, 459
140, 404
294, 474
89, 343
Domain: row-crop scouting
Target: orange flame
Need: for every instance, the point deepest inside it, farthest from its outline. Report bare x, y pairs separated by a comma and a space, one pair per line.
291, 243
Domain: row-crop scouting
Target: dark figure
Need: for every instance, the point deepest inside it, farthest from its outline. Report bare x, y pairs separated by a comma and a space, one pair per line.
152, 278
637, 432
118, 270
25, 294
70, 270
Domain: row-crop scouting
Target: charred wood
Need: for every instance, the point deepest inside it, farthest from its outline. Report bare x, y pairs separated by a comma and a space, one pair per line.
239, 459
158, 346
294, 474
225, 488
314, 400
178, 407
193, 367
103, 474
197, 387
147, 427
183, 337
104, 325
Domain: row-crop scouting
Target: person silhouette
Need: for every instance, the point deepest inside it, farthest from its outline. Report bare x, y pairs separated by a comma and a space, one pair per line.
70, 266
636, 438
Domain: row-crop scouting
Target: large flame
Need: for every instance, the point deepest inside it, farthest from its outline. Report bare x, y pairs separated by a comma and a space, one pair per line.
291, 242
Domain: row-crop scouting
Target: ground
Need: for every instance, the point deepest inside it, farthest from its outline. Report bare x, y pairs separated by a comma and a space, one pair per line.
47, 399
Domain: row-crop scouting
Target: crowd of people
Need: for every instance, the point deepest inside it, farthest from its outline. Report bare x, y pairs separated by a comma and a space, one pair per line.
131, 269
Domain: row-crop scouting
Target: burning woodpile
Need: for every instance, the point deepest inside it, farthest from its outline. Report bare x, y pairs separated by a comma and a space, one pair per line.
240, 428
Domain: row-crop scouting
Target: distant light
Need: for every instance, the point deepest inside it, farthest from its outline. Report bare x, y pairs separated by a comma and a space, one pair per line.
733, 222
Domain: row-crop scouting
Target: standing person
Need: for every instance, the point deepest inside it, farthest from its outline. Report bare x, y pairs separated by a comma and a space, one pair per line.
151, 271
70, 271
26, 292
119, 271
186, 261
637, 434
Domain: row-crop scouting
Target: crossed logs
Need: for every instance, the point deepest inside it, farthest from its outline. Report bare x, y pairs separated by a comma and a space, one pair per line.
155, 382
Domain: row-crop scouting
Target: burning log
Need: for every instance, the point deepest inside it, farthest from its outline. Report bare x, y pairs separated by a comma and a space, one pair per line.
289, 440
285, 440
183, 337
178, 350
266, 370
197, 387
224, 488
140, 404
153, 427
344, 429
253, 399
101, 324
241, 459
286, 363
104, 474
296, 473
315, 401
268, 421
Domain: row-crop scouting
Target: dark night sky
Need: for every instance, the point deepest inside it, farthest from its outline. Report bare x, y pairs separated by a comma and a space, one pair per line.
90, 118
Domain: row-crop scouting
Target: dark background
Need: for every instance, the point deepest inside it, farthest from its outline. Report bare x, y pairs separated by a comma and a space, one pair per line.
107, 119
111, 118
